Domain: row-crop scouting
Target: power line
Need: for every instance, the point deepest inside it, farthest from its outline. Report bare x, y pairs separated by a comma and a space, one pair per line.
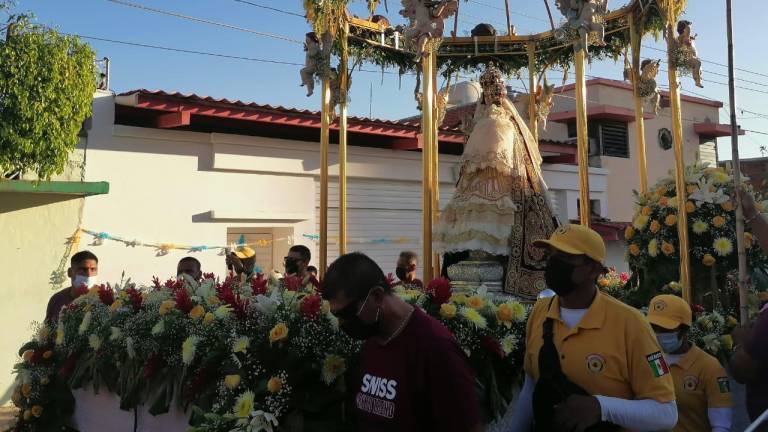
270, 8
511, 12
712, 62
205, 21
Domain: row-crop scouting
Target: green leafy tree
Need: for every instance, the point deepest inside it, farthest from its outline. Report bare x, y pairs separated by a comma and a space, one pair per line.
47, 82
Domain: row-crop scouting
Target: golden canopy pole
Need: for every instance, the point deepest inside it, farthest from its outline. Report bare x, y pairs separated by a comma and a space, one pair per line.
435, 167
533, 122
325, 96
642, 168
677, 134
343, 80
427, 128
582, 136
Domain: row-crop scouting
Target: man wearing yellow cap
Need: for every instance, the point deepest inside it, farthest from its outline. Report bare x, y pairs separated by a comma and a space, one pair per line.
241, 260
701, 384
592, 363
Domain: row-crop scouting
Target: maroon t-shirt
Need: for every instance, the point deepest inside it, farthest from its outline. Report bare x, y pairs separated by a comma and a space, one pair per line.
58, 301
420, 381
757, 348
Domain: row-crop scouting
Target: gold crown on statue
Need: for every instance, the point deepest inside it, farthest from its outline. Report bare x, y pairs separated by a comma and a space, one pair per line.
492, 81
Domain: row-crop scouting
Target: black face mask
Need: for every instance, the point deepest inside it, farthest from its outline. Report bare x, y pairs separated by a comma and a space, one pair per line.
357, 329
401, 272
559, 276
291, 267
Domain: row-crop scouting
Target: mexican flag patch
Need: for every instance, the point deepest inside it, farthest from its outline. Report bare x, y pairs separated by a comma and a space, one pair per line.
724, 384
658, 364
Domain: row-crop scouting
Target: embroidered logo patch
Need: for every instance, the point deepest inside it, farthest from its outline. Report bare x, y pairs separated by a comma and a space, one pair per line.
562, 229
595, 363
658, 364
690, 383
659, 306
724, 384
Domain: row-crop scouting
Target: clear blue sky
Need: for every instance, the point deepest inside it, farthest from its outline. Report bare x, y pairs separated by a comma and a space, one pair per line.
137, 67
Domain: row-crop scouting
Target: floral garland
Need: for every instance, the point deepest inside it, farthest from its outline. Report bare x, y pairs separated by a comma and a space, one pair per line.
245, 354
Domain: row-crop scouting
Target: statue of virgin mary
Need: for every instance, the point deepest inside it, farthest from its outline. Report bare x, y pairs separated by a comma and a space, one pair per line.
500, 205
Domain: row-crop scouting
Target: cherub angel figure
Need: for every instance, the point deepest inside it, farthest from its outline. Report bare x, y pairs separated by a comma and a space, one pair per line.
685, 49
426, 21
585, 16
649, 89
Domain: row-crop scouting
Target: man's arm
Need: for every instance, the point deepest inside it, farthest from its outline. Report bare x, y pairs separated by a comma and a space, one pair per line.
752, 354
743, 367
756, 221
453, 398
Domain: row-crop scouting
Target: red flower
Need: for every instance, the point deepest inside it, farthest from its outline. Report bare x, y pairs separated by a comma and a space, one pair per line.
315, 282
106, 294
259, 284
183, 301
492, 345
68, 366
440, 290
697, 308
624, 276
135, 297
293, 283
207, 276
390, 280
310, 306
81, 290
227, 296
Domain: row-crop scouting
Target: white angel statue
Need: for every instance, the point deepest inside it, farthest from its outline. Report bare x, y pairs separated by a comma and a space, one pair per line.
426, 21
585, 16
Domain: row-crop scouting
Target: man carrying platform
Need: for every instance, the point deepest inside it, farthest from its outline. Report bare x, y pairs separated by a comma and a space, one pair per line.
83, 271
406, 271
592, 363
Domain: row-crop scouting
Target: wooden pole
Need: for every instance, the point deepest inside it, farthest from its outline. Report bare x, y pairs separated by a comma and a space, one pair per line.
435, 167
427, 127
741, 247
677, 134
533, 121
509, 22
343, 77
642, 168
456, 21
324, 142
582, 137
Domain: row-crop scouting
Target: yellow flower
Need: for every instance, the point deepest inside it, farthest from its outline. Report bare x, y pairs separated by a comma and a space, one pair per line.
509, 343
670, 220
653, 248
274, 384
629, 232
213, 300
634, 249
732, 321
59, 335
37, 410
667, 248
232, 381
700, 227
723, 246
675, 286
278, 333
708, 260
661, 190
474, 317
45, 381
241, 344
167, 306
447, 310
475, 302
720, 177
707, 324
727, 206
646, 211
459, 298
209, 318
26, 389
655, 226
518, 311
504, 314
117, 304
244, 405
748, 240
640, 222
28, 354
333, 367
690, 207
727, 341
188, 349
664, 201
603, 282
718, 221
48, 354
197, 312
691, 188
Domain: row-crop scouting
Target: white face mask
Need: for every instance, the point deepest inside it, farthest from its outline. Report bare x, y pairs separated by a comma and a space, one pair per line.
669, 342
88, 281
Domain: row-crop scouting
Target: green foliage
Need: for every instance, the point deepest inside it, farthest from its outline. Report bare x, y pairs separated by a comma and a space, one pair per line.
47, 82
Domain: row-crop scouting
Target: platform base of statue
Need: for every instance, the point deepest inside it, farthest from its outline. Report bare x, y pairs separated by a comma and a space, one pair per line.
101, 412
481, 270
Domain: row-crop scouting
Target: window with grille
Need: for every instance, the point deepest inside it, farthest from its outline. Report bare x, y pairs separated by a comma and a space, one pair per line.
610, 135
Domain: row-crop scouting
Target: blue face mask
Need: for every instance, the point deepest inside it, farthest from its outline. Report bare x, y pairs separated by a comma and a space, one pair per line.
669, 342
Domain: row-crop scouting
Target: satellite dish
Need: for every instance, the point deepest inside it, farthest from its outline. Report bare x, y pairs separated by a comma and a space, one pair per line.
665, 139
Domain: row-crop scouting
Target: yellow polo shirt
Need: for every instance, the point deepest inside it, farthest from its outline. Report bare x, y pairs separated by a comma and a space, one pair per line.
612, 351
700, 383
